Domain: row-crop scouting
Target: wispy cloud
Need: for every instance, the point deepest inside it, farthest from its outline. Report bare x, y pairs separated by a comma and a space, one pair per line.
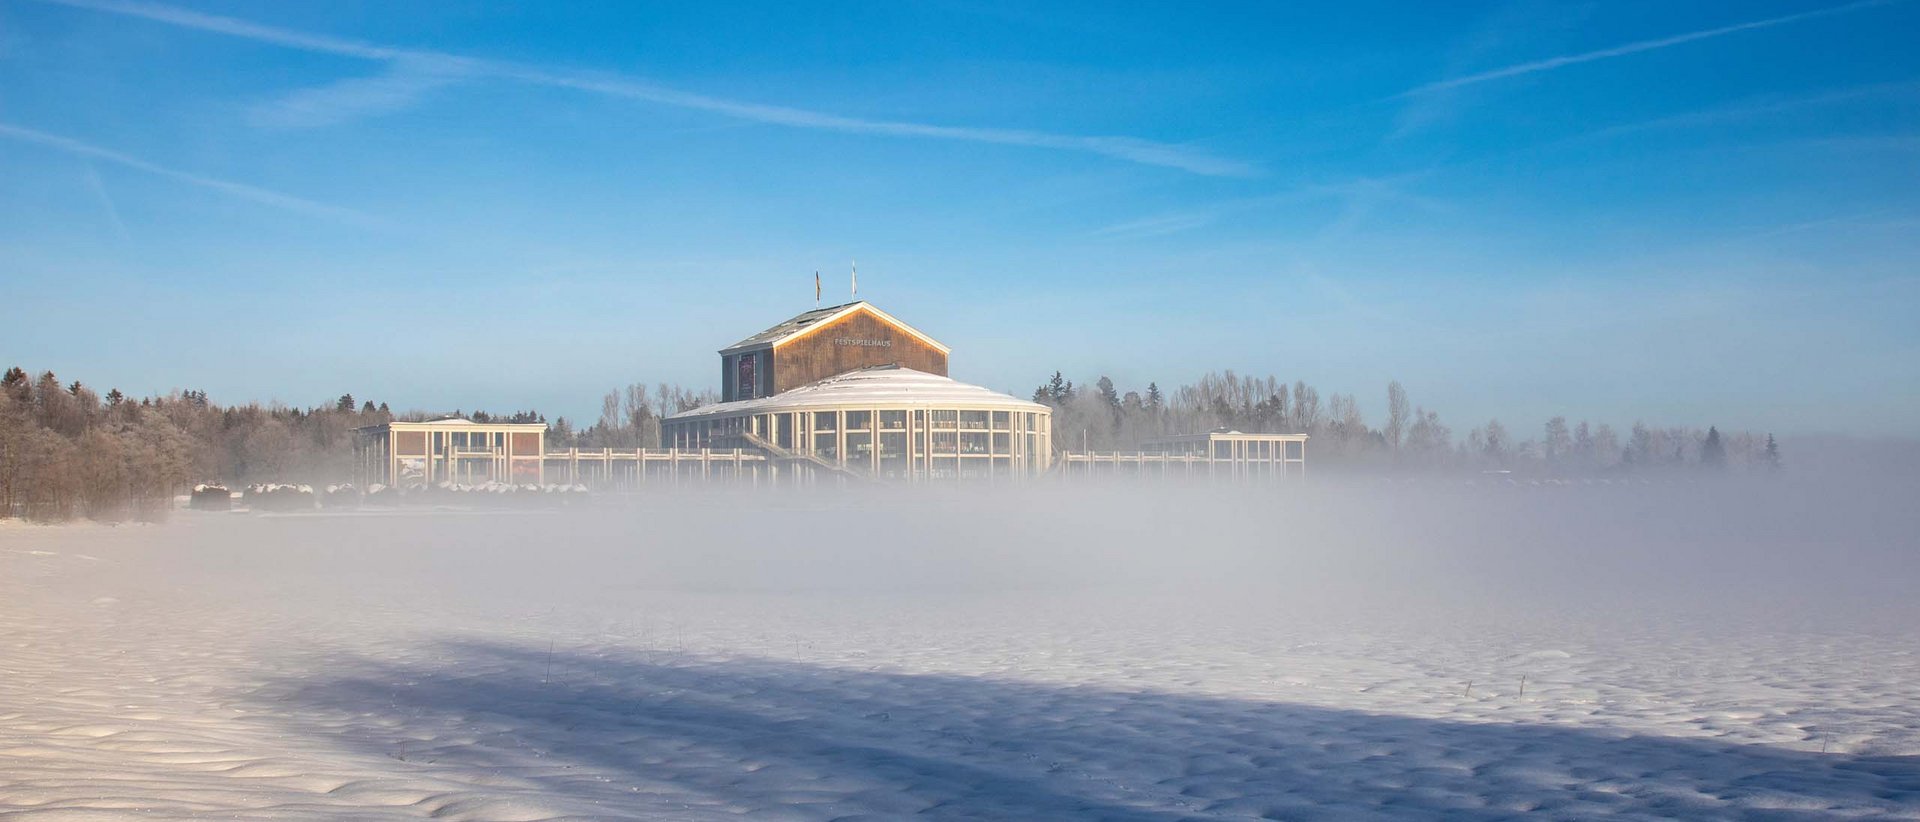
1123, 148
107, 207
1552, 63
380, 94
1877, 218
397, 88
187, 18
1159, 225
240, 190
1755, 108
1358, 198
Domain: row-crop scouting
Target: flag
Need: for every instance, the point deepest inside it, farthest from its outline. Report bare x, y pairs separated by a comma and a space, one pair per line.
816, 288
856, 278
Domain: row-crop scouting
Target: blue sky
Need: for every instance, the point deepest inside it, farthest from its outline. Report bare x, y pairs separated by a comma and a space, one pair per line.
1679, 212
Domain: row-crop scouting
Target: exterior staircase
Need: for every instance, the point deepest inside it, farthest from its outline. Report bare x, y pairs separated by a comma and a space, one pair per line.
781, 455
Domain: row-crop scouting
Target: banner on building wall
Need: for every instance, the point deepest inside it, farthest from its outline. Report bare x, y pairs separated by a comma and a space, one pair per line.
745, 389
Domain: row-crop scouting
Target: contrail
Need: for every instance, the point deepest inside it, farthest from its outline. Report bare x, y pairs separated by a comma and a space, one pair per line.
1131, 149
241, 190
1552, 63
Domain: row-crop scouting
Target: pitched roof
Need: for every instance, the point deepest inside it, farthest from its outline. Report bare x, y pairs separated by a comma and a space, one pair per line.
807, 321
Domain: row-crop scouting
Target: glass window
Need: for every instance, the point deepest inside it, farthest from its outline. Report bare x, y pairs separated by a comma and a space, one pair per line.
944, 467
945, 419
784, 436
973, 419
919, 418
825, 420
1002, 442
1000, 420
945, 442
973, 442
459, 439
893, 456
859, 420
826, 446
859, 447
1223, 449
893, 420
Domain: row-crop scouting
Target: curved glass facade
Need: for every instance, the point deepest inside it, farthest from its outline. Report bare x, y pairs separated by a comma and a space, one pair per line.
897, 442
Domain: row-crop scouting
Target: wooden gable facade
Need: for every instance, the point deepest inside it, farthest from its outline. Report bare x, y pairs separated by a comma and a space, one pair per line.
821, 344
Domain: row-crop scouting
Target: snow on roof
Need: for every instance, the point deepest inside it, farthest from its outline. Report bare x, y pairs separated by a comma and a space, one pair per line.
807, 321
1223, 433
448, 422
882, 386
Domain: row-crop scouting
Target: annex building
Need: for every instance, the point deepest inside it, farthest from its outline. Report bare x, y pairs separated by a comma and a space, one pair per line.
453, 450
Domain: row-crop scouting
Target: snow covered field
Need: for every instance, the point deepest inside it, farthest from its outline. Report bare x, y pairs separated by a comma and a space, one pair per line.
1319, 653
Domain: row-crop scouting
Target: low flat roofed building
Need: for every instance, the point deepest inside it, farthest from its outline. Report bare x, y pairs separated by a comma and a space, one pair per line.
1280, 454
454, 450
888, 422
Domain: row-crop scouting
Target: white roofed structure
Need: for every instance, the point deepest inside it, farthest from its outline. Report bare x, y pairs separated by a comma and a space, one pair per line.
882, 384
886, 421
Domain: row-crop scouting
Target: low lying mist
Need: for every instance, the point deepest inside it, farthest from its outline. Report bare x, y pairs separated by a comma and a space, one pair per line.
1775, 548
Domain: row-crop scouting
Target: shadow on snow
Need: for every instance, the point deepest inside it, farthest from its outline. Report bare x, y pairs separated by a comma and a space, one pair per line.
664, 735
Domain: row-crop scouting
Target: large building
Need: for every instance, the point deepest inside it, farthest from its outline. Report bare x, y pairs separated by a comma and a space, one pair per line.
841, 392
850, 389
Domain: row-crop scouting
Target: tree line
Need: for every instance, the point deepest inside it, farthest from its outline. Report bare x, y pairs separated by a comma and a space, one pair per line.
67, 451
629, 417
1409, 437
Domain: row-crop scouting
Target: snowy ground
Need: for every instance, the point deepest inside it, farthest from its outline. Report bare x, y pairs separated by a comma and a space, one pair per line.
1331, 653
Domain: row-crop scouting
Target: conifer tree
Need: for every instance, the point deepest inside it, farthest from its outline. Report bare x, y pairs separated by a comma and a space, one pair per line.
1713, 454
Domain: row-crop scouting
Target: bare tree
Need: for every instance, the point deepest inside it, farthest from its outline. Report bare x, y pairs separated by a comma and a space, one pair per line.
1396, 415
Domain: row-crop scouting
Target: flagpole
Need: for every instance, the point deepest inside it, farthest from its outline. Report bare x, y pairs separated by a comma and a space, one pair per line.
856, 280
